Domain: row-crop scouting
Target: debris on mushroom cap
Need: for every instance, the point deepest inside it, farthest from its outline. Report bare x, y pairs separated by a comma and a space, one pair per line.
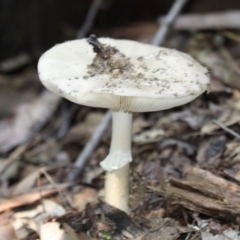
122, 75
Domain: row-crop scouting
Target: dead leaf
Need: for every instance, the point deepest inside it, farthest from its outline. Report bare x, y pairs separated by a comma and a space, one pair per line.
139, 124
226, 235
10, 171
229, 117
26, 120
32, 219
194, 119
83, 130
86, 195
167, 230
232, 151
220, 67
156, 218
210, 151
52, 230
187, 147
50, 207
218, 87
7, 231
148, 136
70, 234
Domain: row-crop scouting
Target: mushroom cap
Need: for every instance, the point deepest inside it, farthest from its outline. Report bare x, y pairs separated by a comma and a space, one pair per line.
133, 77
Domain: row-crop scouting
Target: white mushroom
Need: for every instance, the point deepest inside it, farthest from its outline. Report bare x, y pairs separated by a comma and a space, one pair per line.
127, 77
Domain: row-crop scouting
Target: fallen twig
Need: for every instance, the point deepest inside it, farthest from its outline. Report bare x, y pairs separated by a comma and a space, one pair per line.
30, 198
220, 20
89, 18
167, 22
49, 178
226, 129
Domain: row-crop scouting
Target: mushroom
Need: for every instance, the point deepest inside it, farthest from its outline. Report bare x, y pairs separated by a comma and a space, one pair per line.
127, 77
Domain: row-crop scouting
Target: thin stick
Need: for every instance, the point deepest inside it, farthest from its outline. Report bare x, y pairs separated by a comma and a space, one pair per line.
226, 129
94, 140
49, 178
190, 232
90, 146
89, 18
167, 22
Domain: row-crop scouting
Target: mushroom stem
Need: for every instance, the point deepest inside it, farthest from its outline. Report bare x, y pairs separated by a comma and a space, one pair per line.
117, 162
117, 188
120, 150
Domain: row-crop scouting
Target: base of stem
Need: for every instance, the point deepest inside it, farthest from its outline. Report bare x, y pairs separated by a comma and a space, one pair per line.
117, 188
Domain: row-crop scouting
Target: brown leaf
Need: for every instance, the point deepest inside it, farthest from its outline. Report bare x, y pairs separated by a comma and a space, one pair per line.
6, 230
87, 195
210, 151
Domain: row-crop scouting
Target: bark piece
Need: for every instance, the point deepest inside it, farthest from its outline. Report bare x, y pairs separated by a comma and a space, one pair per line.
203, 192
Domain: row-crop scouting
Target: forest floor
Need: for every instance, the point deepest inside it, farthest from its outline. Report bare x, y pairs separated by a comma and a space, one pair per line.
185, 174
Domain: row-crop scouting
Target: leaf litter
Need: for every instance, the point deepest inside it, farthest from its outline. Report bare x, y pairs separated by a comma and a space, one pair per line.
185, 173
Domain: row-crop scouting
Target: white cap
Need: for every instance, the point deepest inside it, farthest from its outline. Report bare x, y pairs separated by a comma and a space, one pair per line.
122, 75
